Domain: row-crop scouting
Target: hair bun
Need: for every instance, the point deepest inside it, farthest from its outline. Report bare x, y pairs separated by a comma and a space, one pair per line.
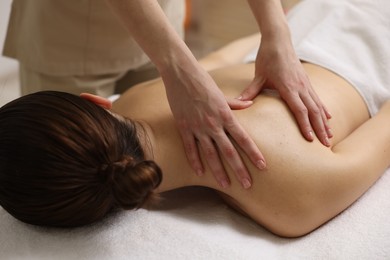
132, 183
122, 165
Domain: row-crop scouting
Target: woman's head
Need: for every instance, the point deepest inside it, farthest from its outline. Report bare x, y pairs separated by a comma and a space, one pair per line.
65, 161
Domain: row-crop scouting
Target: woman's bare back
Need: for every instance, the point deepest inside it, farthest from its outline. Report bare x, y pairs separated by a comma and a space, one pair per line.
305, 183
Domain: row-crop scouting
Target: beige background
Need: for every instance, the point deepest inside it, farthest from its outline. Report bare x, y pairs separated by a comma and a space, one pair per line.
215, 23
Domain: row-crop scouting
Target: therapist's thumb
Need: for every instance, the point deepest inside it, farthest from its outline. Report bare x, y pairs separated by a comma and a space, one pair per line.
253, 89
237, 104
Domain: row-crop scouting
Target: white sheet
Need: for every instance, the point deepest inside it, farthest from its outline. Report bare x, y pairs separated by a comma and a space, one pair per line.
194, 223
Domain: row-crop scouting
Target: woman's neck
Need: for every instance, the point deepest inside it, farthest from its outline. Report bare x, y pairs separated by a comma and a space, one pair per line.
163, 145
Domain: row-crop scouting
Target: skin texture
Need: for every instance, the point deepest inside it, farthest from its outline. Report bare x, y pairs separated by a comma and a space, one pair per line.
305, 183
201, 112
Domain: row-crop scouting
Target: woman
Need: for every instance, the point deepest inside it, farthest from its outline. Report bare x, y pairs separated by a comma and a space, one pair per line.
67, 161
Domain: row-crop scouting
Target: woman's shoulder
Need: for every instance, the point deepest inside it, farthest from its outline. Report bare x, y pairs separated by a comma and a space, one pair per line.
143, 100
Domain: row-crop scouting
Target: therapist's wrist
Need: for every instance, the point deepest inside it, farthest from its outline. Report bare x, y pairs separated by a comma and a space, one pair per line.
174, 54
278, 31
176, 62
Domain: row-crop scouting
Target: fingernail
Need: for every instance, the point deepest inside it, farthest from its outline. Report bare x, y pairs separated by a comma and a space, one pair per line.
330, 133
327, 142
199, 172
311, 135
239, 98
224, 184
246, 183
261, 164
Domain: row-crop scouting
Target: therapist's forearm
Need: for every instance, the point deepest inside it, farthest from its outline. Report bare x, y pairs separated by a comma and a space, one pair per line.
270, 17
151, 29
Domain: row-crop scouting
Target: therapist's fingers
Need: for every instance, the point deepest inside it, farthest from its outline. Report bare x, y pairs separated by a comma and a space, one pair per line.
229, 152
327, 113
253, 89
309, 115
233, 159
317, 118
216, 145
324, 112
191, 148
246, 143
236, 104
100, 101
214, 161
300, 113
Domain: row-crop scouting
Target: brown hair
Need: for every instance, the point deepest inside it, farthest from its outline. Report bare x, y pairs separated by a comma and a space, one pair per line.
66, 162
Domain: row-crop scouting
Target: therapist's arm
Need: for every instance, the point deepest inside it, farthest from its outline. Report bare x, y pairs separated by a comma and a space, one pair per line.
278, 67
200, 109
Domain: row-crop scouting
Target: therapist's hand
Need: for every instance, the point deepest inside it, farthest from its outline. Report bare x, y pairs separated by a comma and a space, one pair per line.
278, 67
199, 107
204, 118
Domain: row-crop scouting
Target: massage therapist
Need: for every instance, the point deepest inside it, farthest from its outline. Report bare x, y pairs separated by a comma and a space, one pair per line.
202, 113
